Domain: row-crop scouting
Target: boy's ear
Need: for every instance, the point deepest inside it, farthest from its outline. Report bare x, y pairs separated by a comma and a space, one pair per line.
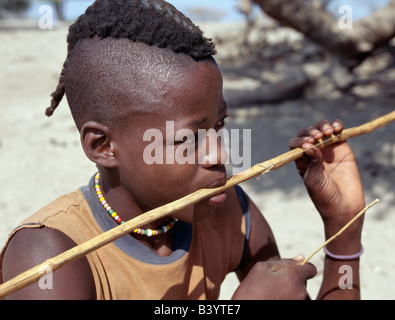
97, 143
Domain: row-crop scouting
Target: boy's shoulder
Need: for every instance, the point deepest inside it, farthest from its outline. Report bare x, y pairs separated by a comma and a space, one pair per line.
41, 227
25, 250
37, 239
63, 204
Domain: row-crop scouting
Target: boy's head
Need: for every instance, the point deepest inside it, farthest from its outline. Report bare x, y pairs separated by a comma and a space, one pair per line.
111, 80
155, 23
137, 65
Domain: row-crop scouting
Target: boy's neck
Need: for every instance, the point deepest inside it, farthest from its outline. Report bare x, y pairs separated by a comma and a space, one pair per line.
162, 244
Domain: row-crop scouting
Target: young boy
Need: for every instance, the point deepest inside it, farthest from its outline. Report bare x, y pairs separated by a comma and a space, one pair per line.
133, 66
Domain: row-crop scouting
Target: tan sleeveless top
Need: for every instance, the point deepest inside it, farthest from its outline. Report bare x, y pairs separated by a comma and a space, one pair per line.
203, 254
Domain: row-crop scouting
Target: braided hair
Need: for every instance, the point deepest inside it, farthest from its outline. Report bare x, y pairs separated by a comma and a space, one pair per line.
152, 22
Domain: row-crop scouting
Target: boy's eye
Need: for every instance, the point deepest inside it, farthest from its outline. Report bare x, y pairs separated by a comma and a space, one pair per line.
191, 139
221, 123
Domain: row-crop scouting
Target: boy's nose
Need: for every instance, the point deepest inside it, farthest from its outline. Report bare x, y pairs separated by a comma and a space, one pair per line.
213, 150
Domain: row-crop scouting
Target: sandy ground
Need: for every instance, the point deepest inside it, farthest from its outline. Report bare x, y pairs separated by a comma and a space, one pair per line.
41, 158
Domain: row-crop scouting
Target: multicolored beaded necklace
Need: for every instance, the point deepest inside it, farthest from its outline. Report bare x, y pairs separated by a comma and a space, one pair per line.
118, 219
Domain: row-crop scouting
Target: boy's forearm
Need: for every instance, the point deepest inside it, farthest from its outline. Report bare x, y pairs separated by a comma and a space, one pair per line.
340, 281
341, 277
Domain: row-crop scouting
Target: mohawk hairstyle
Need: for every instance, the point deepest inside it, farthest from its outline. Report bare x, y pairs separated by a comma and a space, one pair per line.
152, 22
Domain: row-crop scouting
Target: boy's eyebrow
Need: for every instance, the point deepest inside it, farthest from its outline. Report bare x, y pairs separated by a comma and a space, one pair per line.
197, 123
201, 121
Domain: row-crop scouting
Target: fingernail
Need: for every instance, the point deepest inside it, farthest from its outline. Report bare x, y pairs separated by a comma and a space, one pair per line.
298, 258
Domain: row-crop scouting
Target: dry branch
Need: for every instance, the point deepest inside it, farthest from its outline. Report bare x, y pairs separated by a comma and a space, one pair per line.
33, 275
321, 27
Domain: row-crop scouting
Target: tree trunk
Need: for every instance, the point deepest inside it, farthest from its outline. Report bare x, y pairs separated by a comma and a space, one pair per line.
324, 29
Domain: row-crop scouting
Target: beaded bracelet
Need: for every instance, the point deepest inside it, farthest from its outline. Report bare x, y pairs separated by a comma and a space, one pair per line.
344, 257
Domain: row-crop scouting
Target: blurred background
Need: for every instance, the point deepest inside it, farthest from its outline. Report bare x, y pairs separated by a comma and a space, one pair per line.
286, 65
203, 10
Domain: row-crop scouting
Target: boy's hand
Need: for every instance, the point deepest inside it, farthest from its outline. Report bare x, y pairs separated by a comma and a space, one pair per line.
331, 174
283, 279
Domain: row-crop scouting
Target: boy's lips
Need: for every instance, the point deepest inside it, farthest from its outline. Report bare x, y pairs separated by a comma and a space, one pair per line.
218, 199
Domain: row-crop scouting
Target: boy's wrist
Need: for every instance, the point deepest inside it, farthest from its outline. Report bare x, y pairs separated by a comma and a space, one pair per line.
344, 257
348, 243
334, 224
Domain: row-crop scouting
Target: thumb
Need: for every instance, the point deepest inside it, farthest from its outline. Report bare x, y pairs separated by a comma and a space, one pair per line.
309, 270
299, 258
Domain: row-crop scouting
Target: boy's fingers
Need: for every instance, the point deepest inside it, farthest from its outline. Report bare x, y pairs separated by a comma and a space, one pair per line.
321, 128
309, 270
310, 132
325, 127
298, 142
337, 125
